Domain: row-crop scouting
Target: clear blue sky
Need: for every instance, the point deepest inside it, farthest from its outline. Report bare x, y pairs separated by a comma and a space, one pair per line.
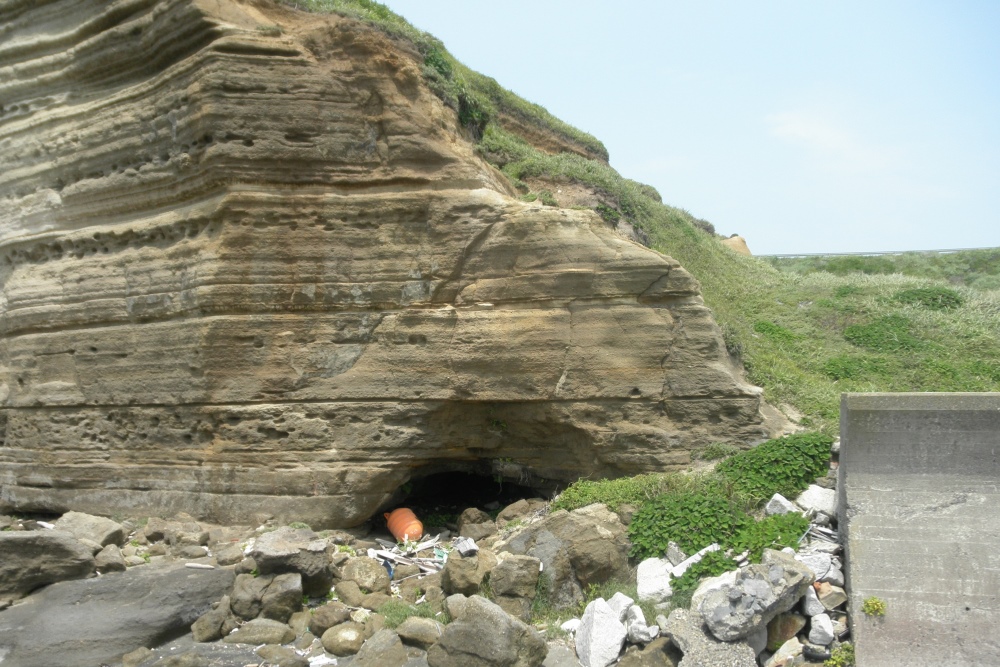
806, 126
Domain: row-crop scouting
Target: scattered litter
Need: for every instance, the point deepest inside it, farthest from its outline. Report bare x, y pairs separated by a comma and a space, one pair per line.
199, 566
322, 661
45, 524
465, 546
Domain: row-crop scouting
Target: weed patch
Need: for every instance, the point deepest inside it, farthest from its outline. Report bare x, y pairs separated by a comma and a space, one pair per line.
886, 334
934, 298
785, 465
693, 521
711, 564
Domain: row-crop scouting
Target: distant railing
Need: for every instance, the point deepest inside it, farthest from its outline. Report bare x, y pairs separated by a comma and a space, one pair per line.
876, 254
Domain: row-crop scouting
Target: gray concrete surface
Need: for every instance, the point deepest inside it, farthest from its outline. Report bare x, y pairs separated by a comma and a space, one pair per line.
920, 508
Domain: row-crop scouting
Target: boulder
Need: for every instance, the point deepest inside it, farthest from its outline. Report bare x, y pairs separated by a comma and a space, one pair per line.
367, 573
109, 559
87, 526
248, 591
811, 604
778, 504
344, 639
123, 610
688, 632
33, 558
296, 550
635, 625
821, 630
787, 655
215, 623
484, 636
601, 635
818, 562
325, 617
652, 579
674, 553
349, 593
783, 627
579, 548
516, 576
261, 631
228, 554
830, 596
739, 602
420, 632
282, 598
620, 604
465, 575
382, 649
476, 524
818, 499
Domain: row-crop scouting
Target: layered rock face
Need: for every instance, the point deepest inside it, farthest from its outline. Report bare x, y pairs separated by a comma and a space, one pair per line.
251, 264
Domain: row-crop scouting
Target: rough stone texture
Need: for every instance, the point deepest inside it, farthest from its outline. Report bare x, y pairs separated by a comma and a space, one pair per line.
778, 504
109, 559
367, 573
325, 617
601, 635
483, 635
344, 639
465, 575
33, 558
382, 649
215, 623
124, 610
578, 548
920, 515
420, 632
87, 526
659, 653
261, 631
818, 499
516, 576
652, 579
248, 271
296, 550
736, 603
688, 632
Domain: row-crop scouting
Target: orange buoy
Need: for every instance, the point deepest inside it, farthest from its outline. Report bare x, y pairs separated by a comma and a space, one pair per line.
403, 524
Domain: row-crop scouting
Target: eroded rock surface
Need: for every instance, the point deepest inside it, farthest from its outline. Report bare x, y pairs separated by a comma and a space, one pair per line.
253, 269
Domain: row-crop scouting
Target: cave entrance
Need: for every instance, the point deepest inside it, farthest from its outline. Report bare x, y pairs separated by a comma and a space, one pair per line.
439, 498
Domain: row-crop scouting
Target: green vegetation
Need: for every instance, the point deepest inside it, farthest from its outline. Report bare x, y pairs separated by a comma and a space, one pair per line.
718, 450
396, 611
711, 564
785, 465
693, 521
979, 269
935, 298
479, 100
774, 532
873, 606
842, 656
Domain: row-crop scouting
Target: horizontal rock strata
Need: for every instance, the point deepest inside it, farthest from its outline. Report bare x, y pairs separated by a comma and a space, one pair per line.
251, 264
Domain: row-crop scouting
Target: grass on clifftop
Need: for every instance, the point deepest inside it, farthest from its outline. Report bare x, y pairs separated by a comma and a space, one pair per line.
804, 329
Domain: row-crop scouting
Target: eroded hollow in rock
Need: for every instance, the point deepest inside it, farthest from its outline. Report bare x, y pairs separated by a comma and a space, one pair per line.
439, 496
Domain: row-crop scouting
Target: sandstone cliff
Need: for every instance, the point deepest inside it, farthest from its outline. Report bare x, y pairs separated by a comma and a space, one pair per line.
250, 263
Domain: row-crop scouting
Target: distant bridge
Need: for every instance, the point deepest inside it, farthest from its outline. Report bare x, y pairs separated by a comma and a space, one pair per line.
875, 254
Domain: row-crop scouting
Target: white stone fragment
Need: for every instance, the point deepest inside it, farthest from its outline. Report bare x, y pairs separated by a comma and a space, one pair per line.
570, 626
600, 637
674, 554
811, 606
620, 604
821, 630
834, 576
638, 631
652, 579
819, 563
819, 499
778, 504
758, 640
679, 570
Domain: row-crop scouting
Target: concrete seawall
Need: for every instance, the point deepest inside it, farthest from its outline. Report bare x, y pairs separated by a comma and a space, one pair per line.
920, 509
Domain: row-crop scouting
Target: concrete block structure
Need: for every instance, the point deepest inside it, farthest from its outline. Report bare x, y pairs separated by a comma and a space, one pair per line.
920, 508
